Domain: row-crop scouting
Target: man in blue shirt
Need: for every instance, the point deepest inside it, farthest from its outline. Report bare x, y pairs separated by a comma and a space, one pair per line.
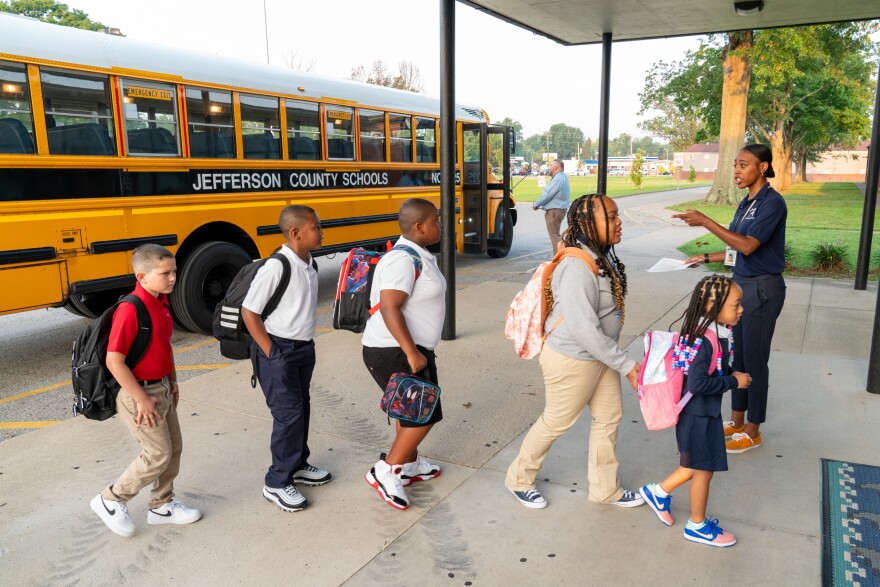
555, 201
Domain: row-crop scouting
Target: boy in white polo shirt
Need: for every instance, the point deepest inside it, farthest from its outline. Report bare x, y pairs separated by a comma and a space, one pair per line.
401, 337
285, 355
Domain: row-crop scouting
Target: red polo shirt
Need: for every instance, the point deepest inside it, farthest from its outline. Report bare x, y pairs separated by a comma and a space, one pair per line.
157, 361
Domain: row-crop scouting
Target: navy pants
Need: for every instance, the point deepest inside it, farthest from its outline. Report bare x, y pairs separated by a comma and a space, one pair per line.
762, 301
285, 376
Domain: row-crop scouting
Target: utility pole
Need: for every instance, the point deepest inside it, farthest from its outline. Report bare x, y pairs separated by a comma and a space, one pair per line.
266, 29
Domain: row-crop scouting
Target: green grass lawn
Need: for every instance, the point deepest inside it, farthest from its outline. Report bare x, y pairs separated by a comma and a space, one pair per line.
817, 213
527, 190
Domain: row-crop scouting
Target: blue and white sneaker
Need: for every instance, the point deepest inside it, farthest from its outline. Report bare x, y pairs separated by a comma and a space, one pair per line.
531, 498
709, 532
660, 505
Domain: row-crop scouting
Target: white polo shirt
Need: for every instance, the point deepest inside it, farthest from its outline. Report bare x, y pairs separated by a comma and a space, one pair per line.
424, 309
296, 316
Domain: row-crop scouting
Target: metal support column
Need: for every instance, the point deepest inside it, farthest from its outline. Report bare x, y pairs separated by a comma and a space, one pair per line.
447, 160
604, 109
872, 175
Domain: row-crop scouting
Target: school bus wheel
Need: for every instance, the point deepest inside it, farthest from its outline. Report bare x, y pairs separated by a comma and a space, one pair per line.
92, 305
202, 282
500, 252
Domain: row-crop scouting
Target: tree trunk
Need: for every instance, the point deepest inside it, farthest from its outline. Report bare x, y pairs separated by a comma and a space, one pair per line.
781, 158
734, 103
801, 163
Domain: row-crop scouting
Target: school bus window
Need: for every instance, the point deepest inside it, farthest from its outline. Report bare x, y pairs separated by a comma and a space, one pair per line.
372, 135
400, 128
260, 127
16, 119
79, 113
303, 130
211, 123
340, 132
150, 114
426, 140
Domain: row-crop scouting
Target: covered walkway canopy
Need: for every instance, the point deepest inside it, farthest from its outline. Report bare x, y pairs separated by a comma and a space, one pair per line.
584, 22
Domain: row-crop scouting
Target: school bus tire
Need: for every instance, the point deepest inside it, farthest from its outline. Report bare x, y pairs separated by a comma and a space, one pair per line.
92, 305
500, 252
68, 305
202, 282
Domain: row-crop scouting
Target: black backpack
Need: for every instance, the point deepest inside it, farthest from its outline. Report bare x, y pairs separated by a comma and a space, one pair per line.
229, 327
94, 388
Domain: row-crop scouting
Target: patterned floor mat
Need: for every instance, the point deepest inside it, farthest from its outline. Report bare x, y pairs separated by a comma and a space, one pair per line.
850, 524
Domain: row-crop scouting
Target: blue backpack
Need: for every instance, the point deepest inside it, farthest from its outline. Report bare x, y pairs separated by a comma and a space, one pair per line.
351, 309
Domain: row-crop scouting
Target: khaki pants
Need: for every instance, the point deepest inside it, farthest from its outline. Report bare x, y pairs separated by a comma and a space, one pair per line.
570, 385
161, 446
553, 218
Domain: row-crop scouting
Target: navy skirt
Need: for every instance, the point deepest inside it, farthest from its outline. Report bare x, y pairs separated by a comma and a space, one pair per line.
701, 442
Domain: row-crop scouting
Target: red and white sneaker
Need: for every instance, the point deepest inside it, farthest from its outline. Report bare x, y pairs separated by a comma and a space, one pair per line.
385, 479
418, 470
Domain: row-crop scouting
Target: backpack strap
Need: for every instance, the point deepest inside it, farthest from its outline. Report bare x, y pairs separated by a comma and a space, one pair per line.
417, 266
144, 334
547, 275
273, 302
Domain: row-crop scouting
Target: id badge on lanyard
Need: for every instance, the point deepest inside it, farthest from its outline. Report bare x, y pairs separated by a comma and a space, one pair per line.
730, 253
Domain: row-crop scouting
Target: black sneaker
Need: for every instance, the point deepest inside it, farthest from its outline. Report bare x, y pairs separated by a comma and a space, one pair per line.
286, 498
311, 476
629, 500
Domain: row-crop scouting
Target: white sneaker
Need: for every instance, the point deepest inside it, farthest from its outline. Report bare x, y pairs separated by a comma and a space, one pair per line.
287, 498
386, 480
418, 470
173, 512
114, 514
312, 476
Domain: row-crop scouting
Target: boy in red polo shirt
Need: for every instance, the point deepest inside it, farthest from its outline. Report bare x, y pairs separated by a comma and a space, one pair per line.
147, 401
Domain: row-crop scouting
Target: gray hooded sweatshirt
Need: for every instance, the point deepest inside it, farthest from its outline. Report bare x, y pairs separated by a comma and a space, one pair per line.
591, 325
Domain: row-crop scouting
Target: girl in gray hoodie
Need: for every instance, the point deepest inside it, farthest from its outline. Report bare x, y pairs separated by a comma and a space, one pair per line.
581, 359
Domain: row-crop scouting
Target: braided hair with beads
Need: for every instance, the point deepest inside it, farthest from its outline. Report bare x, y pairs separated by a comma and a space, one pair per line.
712, 288
583, 231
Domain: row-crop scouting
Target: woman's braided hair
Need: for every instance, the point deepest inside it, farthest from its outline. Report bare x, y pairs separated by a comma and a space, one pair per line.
712, 288
583, 230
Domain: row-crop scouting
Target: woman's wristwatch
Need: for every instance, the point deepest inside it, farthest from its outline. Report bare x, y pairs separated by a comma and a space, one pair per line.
705, 258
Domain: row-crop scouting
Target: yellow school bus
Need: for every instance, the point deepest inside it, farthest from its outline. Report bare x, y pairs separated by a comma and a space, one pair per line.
107, 143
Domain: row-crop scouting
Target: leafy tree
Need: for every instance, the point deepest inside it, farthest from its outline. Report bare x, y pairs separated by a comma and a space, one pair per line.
620, 145
517, 131
692, 175
588, 148
809, 88
678, 126
407, 77
799, 72
533, 147
635, 169
53, 12
564, 140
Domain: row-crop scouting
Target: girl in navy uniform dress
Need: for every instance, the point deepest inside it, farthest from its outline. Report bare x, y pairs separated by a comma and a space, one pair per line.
714, 307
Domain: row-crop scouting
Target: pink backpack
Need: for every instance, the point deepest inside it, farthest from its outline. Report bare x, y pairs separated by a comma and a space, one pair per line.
660, 383
528, 311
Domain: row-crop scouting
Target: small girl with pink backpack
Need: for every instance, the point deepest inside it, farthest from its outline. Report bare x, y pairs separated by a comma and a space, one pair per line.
703, 351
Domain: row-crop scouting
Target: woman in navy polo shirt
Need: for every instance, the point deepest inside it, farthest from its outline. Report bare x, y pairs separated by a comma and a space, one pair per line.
756, 252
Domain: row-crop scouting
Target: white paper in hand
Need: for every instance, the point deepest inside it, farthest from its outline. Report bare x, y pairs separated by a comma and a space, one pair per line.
666, 264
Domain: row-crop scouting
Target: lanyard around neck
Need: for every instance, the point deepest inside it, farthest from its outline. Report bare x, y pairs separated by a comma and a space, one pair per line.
749, 209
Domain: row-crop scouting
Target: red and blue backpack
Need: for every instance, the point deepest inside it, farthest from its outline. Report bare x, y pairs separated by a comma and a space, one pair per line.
352, 309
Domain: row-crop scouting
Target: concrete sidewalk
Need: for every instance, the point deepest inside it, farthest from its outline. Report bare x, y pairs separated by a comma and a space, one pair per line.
464, 527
